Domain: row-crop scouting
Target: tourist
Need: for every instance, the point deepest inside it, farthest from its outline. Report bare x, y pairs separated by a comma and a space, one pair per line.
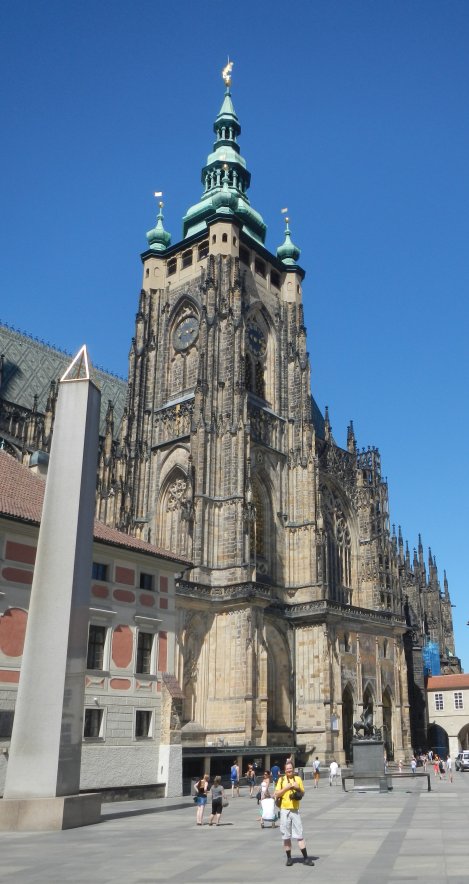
218, 794
441, 769
449, 768
413, 764
436, 765
316, 767
201, 789
289, 790
333, 771
251, 778
275, 772
399, 765
234, 777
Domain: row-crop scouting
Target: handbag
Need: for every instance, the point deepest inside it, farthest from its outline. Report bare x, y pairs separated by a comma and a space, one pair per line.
225, 802
195, 798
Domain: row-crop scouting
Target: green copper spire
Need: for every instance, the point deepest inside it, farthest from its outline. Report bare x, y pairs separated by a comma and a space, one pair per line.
288, 252
159, 238
225, 177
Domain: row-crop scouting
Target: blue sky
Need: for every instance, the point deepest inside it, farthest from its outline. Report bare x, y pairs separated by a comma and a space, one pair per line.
354, 115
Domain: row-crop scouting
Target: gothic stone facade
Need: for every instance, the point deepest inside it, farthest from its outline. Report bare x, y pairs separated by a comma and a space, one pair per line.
291, 617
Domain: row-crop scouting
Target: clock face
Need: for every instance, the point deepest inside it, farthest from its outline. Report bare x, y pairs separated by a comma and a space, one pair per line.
185, 332
256, 339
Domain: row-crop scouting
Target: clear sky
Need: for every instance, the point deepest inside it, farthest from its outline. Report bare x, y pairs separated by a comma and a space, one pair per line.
354, 115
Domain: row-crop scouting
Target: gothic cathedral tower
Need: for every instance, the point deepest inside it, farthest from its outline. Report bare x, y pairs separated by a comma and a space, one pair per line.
291, 616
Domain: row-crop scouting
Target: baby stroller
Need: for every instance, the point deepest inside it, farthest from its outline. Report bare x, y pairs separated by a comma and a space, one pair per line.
268, 813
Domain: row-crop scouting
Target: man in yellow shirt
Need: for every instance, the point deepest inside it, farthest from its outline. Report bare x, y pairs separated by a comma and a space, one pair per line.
288, 787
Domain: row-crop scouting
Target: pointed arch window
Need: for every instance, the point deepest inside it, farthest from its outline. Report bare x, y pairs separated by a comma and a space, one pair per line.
172, 525
339, 547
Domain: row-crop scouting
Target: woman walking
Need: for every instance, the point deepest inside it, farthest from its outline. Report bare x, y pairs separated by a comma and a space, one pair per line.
201, 789
218, 794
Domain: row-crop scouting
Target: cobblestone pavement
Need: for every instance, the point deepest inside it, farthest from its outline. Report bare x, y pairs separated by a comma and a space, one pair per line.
407, 835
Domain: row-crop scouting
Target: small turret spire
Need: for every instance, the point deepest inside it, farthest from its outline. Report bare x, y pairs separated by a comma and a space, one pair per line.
351, 441
288, 252
159, 239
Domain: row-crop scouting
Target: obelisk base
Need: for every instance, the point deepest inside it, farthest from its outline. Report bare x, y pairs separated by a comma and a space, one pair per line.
49, 814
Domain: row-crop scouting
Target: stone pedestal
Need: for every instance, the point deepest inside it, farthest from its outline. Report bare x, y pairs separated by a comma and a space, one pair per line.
368, 766
49, 814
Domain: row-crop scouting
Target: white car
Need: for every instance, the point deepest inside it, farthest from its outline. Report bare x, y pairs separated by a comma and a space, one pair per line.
462, 760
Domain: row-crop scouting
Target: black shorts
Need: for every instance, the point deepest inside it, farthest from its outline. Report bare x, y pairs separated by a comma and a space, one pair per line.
217, 805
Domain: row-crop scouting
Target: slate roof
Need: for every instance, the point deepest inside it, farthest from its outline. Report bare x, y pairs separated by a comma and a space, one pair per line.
30, 366
21, 498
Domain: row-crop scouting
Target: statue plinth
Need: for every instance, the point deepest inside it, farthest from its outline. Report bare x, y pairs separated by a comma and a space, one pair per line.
368, 765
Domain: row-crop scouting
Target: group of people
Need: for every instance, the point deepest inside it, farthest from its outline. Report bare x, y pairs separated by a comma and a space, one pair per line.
440, 766
202, 788
287, 788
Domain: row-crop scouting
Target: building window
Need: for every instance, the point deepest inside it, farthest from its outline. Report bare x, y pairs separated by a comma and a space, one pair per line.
259, 267
96, 643
187, 258
6, 723
144, 652
93, 727
143, 723
244, 255
171, 266
458, 701
147, 272
275, 279
224, 237
234, 240
439, 702
146, 581
203, 250
99, 571
214, 239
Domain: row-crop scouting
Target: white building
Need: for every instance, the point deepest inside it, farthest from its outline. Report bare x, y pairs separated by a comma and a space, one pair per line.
448, 713
133, 703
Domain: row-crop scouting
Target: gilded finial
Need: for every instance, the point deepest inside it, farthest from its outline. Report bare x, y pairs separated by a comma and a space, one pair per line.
226, 72
285, 212
159, 193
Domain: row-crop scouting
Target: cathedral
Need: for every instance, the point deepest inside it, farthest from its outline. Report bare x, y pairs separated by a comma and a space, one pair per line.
301, 605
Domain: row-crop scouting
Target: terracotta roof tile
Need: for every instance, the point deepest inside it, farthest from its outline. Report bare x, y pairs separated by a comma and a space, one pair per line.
21, 497
439, 682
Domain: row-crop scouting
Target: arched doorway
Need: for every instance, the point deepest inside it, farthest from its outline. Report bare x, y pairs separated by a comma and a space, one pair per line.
347, 722
438, 740
387, 725
463, 737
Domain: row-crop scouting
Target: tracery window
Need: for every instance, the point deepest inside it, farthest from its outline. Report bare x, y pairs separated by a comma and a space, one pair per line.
339, 547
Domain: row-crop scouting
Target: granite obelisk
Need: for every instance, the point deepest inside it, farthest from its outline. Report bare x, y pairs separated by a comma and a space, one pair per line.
43, 775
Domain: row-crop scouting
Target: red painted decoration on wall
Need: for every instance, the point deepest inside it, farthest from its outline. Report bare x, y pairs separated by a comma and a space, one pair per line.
120, 684
123, 595
163, 584
12, 630
122, 646
20, 552
125, 575
147, 600
16, 575
9, 676
101, 592
163, 603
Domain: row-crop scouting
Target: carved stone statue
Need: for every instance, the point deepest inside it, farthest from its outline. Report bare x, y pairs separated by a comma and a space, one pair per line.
365, 724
